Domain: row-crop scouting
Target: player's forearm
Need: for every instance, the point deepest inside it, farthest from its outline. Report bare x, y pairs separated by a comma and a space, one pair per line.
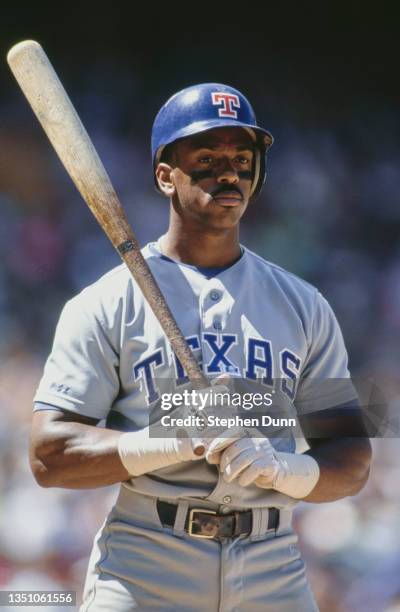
77, 456
344, 468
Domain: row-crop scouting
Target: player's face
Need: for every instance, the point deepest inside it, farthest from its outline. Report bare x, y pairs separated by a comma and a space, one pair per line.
212, 176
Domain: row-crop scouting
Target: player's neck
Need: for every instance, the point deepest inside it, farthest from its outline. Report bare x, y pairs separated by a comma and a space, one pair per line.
206, 250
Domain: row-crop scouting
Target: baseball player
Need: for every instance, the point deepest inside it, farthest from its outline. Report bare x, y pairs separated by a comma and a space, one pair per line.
188, 532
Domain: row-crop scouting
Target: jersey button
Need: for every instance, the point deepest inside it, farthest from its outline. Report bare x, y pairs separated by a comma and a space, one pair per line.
215, 295
217, 324
227, 499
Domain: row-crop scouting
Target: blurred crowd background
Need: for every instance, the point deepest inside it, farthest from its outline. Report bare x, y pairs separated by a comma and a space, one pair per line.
324, 82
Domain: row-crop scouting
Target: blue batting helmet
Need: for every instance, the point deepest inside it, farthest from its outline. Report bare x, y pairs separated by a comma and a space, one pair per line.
204, 107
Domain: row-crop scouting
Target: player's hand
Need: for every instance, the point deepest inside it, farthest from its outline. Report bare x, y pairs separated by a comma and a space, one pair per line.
247, 460
222, 441
255, 461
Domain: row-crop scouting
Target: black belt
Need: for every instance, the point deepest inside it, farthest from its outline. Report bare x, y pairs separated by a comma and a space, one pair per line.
203, 523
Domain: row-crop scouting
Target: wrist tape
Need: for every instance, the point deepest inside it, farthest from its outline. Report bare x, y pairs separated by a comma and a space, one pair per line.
297, 476
141, 454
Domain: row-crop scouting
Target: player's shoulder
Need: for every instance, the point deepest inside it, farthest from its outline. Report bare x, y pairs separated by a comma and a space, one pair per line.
285, 279
112, 285
106, 299
101, 302
289, 292
109, 284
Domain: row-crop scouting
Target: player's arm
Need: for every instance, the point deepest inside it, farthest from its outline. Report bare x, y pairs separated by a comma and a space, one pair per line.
339, 444
68, 450
343, 464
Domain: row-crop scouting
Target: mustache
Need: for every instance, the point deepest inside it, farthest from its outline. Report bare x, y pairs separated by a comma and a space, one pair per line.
199, 175
226, 189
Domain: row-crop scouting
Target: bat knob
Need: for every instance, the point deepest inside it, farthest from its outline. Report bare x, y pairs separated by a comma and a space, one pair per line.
199, 450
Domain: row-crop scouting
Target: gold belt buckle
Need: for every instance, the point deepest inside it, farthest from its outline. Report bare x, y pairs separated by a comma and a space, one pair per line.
191, 521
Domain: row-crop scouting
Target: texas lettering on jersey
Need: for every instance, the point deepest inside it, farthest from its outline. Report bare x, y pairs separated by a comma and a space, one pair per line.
259, 364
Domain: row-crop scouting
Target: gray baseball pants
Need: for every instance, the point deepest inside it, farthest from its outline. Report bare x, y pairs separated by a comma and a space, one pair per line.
137, 564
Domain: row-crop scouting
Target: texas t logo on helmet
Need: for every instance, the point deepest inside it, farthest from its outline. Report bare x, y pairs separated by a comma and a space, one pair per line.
228, 102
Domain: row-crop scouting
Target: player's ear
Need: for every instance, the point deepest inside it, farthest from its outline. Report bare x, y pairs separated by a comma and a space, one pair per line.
165, 179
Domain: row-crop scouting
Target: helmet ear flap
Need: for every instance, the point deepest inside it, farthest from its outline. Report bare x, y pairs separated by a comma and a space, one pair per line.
262, 175
256, 171
261, 149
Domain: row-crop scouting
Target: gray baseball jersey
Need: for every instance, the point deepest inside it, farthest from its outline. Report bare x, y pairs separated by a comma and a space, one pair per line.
252, 319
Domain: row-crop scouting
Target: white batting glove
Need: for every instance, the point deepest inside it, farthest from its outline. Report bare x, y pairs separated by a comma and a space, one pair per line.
222, 441
255, 461
250, 452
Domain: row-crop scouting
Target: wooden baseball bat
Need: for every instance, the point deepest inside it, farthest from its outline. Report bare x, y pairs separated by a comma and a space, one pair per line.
59, 119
